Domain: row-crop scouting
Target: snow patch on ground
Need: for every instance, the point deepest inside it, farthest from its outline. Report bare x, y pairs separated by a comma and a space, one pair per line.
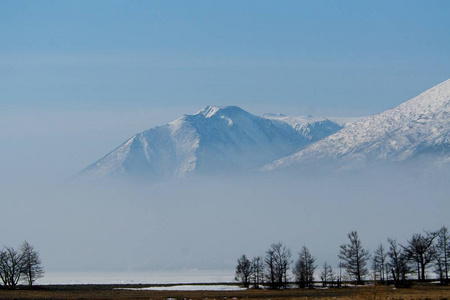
190, 288
137, 277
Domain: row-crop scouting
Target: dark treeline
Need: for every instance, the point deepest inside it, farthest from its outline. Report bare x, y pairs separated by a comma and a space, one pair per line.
19, 264
423, 255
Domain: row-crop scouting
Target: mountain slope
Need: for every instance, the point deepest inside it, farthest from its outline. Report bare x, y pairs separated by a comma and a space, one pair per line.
313, 128
418, 127
214, 140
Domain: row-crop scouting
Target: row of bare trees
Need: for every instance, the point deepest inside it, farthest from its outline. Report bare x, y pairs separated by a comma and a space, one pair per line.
398, 263
23, 263
271, 269
422, 251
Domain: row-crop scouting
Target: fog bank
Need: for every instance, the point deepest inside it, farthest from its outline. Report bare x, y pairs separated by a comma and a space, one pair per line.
207, 223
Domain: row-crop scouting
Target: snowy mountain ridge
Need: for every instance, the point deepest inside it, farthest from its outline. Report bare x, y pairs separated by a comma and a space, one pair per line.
417, 127
216, 139
228, 139
296, 121
307, 125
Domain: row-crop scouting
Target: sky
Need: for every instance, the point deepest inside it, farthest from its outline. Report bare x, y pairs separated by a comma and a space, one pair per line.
84, 76
318, 56
77, 78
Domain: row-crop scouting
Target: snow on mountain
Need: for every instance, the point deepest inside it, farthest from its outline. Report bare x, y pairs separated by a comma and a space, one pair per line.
313, 128
417, 128
214, 140
296, 121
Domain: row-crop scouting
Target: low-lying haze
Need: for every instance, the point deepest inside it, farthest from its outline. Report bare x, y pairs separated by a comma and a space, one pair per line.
206, 223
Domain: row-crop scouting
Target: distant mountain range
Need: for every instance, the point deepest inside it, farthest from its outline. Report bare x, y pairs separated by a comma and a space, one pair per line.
418, 129
225, 140
215, 140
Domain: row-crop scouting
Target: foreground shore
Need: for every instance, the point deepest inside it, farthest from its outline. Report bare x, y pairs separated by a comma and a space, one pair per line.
120, 292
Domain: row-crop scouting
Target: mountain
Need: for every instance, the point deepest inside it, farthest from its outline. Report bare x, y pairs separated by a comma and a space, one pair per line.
313, 128
418, 129
215, 140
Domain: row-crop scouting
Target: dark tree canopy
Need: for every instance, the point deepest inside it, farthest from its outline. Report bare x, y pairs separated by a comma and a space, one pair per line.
355, 258
327, 275
277, 261
398, 262
304, 268
443, 254
31, 263
10, 267
23, 263
243, 270
421, 249
379, 263
257, 271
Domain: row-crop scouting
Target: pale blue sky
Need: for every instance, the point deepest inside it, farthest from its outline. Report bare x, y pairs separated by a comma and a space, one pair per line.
354, 57
77, 78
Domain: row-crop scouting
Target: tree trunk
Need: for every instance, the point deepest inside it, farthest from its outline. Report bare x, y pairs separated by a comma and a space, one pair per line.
395, 278
423, 271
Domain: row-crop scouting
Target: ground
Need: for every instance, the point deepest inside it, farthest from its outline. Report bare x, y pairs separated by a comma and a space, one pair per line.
429, 292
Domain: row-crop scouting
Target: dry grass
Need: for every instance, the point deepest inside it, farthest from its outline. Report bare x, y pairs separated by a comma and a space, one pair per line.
108, 292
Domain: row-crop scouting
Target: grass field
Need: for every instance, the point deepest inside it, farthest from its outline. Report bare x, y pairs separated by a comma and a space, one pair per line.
111, 292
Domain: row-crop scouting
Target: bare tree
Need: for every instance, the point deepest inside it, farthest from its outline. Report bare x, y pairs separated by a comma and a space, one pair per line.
257, 271
270, 273
304, 268
31, 263
277, 260
355, 258
379, 262
340, 266
422, 251
327, 275
243, 270
439, 269
10, 267
4, 268
398, 262
441, 263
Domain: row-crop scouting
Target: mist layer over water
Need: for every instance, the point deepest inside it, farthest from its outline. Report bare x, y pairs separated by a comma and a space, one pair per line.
207, 223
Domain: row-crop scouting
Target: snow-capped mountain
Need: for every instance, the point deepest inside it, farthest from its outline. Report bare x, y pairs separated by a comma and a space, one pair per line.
214, 140
417, 128
313, 128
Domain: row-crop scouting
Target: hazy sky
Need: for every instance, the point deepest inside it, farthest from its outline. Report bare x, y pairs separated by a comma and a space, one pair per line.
317, 56
77, 78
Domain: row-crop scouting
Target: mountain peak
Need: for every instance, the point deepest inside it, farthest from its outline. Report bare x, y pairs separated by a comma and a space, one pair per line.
406, 132
270, 115
209, 111
215, 140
